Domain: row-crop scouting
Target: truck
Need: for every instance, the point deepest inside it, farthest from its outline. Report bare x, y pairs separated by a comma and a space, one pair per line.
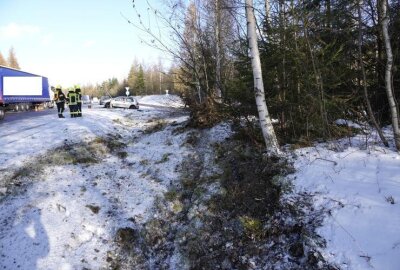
21, 91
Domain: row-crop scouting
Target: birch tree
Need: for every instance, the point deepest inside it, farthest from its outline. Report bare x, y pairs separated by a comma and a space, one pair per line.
364, 76
218, 91
394, 110
267, 14
268, 132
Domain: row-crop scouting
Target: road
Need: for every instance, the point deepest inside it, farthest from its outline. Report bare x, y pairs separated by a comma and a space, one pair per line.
15, 116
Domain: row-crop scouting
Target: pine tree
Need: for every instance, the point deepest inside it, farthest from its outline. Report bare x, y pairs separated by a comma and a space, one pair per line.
3, 61
12, 59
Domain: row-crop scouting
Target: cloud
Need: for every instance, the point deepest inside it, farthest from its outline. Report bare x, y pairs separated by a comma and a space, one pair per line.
89, 43
14, 30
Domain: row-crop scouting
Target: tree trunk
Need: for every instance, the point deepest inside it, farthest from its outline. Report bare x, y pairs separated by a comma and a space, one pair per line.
320, 84
328, 14
282, 94
218, 88
265, 121
268, 14
388, 75
364, 78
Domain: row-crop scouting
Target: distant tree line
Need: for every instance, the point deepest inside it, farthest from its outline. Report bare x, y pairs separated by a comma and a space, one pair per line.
142, 79
11, 60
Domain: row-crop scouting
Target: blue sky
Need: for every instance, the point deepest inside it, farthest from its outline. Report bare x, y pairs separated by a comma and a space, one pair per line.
74, 41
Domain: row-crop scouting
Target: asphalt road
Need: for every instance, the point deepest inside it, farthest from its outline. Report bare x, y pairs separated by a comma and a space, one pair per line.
15, 116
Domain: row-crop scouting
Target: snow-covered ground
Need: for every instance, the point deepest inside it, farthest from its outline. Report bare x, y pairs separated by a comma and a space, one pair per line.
359, 188
68, 216
161, 100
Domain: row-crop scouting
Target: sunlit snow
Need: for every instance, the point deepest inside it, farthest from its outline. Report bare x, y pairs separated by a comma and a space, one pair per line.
50, 225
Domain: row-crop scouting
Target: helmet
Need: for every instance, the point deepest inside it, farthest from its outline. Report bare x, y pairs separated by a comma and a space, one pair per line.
58, 87
77, 88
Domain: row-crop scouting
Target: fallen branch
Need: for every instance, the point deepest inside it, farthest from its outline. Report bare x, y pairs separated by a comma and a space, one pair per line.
334, 162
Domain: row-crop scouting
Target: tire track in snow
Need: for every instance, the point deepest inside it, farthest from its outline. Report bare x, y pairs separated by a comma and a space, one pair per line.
24, 137
22, 130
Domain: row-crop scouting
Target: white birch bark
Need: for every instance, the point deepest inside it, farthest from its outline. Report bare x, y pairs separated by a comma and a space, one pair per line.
364, 77
394, 110
265, 121
268, 13
218, 91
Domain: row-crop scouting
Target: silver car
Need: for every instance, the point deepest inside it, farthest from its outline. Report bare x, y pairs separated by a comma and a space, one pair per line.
85, 99
104, 100
124, 102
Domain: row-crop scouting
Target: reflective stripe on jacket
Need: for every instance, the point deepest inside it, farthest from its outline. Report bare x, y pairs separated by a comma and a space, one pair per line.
72, 98
59, 97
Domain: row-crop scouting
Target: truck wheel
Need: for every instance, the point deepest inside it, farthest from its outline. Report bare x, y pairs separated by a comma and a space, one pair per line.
17, 108
27, 107
2, 114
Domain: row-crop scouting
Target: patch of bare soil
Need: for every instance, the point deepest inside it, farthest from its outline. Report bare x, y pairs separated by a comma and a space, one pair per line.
232, 209
16, 180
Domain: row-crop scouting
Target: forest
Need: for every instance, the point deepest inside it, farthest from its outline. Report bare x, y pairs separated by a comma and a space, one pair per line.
277, 146
321, 61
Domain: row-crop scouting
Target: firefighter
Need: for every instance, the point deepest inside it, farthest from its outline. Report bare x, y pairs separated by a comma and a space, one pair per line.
79, 100
72, 102
59, 98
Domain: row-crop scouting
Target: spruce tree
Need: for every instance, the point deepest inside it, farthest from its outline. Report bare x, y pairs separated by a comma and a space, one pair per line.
139, 86
132, 76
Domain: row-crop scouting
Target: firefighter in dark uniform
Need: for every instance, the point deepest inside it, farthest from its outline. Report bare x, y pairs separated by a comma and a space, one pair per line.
79, 100
72, 102
59, 98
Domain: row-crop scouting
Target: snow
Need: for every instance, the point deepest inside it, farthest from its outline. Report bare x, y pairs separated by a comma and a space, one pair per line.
49, 223
161, 100
349, 123
356, 187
